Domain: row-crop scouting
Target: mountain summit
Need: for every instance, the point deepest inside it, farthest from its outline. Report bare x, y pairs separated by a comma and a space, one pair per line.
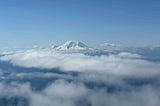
72, 45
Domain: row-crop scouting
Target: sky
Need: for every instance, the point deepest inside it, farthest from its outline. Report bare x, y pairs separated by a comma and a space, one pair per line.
47, 22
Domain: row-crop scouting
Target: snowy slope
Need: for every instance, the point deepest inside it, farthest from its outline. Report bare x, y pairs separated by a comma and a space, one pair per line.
72, 45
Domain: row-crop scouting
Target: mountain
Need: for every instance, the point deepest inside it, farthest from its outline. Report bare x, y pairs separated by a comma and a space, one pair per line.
148, 52
71, 45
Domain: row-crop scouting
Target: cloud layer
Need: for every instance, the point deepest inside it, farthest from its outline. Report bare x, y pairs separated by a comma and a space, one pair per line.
62, 93
124, 64
124, 79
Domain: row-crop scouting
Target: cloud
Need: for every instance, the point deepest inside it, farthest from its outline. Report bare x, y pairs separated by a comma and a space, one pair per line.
145, 96
69, 90
59, 93
63, 93
123, 64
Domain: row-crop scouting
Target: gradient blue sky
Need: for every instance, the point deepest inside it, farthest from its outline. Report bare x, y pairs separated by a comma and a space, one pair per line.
46, 22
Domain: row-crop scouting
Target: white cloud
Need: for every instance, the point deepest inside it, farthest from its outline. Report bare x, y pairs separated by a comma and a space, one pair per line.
62, 93
100, 69
123, 64
59, 93
145, 96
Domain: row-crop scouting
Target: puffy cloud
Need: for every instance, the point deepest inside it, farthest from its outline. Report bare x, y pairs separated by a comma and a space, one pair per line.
70, 90
14, 89
59, 93
62, 93
39, 74
123, 64
145, 96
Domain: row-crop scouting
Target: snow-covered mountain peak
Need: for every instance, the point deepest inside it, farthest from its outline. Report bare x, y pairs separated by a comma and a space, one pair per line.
72, 45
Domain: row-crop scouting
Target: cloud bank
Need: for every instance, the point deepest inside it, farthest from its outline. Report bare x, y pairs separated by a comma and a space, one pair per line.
62, 93
124, 79
124, 64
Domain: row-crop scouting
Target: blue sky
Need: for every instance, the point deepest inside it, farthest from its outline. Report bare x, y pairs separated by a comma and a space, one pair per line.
46, 22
